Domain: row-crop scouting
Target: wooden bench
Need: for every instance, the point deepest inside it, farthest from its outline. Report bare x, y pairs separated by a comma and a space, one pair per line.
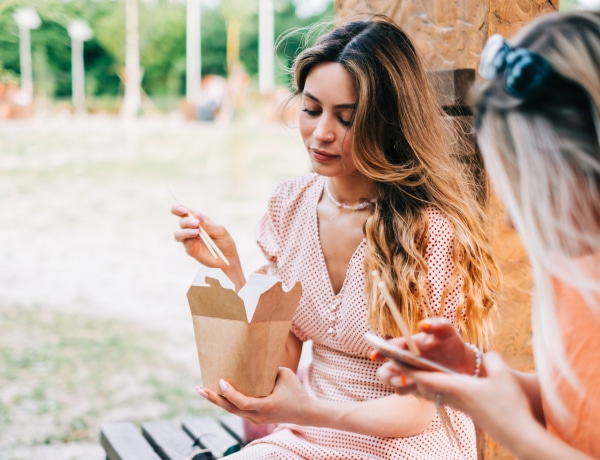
203, 438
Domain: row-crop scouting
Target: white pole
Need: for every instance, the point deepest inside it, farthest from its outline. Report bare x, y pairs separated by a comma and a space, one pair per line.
132, 100
26, 67
266, 46
77, 74
79, 32
193, 52
26, 19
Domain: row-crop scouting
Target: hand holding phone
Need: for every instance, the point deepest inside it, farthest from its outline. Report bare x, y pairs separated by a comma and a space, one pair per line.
404, 357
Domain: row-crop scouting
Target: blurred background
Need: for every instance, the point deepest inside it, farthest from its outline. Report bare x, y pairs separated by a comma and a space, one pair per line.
104, 104
144, 56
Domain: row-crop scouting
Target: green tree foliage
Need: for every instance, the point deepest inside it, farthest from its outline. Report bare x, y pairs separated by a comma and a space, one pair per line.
214, 43
293, 34
162, 43
162, 48
51, 45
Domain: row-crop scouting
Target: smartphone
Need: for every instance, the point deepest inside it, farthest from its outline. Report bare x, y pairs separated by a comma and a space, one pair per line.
404, 357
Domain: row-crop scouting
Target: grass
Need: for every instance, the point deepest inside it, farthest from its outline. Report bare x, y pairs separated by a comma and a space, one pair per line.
70, 372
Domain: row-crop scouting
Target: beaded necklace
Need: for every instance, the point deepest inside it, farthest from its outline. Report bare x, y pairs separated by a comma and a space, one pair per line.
357, 207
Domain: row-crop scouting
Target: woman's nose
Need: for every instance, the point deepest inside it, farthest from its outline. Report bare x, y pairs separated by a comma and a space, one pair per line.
323, 131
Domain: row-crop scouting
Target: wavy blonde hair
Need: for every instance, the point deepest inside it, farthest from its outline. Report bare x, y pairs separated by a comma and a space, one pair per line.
401, 142
543, 156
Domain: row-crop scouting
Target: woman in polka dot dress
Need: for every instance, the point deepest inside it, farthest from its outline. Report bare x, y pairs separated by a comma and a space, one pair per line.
386, 194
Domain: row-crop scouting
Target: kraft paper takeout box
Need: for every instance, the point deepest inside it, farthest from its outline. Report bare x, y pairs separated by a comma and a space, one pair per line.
246, 353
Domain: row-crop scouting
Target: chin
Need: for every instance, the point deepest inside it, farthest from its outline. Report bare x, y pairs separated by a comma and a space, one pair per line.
322, 170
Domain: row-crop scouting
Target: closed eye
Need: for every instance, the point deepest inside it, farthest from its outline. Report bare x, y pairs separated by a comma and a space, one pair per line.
312, 113
346, 123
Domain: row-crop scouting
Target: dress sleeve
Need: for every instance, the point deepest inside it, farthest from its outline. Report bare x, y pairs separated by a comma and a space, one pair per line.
267, 236
444, 285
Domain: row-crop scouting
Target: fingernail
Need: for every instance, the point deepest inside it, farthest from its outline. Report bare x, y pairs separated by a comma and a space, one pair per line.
429, 323
403, 380
396, 381
182, 210
373, 356
193, 231
223, 385
438, 320
195, 223
201, 392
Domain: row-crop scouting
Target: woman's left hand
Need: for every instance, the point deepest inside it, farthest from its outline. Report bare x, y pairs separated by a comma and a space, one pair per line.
287, 403
497, 402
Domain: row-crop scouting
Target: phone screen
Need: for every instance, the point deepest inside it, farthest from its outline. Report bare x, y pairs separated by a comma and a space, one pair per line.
404, 357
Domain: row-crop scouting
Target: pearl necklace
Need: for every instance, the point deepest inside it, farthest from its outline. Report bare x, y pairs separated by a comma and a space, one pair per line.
357, 207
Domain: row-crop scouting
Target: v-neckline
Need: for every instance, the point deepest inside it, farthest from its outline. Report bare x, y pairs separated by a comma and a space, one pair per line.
320, 246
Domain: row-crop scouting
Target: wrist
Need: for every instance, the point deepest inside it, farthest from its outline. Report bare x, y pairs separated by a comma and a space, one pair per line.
313, 413
235, 273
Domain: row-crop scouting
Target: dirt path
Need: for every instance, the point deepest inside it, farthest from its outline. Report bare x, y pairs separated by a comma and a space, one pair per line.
86, 224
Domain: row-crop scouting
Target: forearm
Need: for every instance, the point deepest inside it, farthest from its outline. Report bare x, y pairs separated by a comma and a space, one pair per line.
291, 353
519, 424
531, 386
392, 416
529, 440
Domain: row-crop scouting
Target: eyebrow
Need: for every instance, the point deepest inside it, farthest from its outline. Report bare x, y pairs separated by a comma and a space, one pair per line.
338, 106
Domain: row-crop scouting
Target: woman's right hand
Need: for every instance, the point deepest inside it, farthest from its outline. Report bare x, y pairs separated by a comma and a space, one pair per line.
189, 235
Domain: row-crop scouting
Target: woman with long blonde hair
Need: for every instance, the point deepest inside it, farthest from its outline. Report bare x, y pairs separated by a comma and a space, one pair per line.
387, 193
538, 126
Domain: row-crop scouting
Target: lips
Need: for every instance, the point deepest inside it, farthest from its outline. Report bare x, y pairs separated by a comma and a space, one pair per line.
322, 155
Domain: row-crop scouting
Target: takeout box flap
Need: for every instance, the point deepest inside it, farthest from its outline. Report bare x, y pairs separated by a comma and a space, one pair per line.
215, 301
275, 304
263, 298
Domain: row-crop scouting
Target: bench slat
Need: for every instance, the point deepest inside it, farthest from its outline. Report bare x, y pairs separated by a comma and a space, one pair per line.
233, 424
170, 441
211, 435
123, 441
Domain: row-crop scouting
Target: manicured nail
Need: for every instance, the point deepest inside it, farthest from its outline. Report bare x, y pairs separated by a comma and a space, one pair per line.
223, 385
182, 210
374, 355
429, 323
397, 381
195, 223
193, 231
201, 392
426, 326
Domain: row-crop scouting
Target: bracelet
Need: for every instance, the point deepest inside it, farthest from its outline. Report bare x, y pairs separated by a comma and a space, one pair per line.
478, 359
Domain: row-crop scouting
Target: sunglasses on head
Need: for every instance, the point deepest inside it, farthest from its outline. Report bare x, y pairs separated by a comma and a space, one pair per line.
524, 72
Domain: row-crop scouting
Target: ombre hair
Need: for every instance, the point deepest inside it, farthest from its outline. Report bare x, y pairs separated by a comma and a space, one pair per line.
543, 158
401, 142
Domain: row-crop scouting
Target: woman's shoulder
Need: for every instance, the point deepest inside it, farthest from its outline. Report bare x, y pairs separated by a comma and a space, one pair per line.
294, 199
438, 221
440, 229
291, 189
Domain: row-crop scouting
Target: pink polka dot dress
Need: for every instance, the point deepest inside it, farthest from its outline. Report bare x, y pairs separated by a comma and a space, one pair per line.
340, 369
